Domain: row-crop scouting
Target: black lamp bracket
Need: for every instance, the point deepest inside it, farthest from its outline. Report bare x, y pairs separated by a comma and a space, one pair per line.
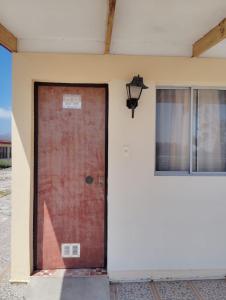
132, 104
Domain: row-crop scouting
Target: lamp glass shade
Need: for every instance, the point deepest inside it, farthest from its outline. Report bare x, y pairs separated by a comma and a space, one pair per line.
135, 91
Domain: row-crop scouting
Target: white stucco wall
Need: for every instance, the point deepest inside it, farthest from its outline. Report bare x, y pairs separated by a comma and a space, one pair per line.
157, 226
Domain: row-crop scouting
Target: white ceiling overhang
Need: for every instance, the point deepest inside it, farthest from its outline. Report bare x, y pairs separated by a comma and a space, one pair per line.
144, 27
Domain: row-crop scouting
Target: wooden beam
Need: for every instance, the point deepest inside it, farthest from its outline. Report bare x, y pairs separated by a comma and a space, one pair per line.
213, 37
111, 13
7, 39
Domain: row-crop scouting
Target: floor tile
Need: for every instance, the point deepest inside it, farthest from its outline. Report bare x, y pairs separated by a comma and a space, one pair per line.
175, 290
211, 289
134, 291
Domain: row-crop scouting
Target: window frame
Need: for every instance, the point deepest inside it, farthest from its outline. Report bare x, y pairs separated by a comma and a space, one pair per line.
190, 172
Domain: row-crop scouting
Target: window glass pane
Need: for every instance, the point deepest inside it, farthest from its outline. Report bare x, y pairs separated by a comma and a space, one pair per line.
172, 130
209, 131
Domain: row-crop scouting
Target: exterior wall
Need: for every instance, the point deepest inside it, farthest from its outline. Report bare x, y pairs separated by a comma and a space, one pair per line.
157, 226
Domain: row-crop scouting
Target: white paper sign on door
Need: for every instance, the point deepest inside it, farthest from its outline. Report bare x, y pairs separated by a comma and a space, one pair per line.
71, 101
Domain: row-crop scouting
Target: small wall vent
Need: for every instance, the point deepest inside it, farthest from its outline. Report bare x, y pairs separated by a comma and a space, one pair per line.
70, 250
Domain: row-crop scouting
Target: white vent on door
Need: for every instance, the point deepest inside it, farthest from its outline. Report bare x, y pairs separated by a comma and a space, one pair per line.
65, 250
75, 250
70, 250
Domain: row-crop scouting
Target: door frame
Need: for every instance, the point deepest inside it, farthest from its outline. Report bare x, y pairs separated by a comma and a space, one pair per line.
37, 84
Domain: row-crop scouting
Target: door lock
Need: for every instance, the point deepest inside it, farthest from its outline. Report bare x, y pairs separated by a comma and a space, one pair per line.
89, 179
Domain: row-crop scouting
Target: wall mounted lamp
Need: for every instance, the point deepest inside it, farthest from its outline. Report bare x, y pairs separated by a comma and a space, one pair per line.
134, 90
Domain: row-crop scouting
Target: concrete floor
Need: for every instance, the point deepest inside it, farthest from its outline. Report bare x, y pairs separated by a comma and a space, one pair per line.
168, 290
68, 288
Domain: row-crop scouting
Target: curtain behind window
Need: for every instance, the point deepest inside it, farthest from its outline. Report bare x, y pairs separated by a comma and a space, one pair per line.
172, 130
209, 131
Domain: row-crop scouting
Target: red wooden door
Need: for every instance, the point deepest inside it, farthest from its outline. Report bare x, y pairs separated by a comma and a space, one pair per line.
71, 176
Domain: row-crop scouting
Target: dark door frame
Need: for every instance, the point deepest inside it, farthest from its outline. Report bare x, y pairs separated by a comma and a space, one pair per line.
35, 204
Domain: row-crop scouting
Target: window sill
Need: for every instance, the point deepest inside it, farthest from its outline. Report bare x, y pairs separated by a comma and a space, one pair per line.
182, 173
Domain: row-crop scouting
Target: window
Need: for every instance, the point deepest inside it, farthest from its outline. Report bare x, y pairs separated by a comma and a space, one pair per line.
3, 152
190, 131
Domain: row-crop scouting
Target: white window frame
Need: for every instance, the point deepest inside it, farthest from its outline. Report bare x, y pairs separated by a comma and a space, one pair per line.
190, 172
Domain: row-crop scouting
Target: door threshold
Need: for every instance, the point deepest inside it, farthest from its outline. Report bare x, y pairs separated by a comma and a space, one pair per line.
70, 273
